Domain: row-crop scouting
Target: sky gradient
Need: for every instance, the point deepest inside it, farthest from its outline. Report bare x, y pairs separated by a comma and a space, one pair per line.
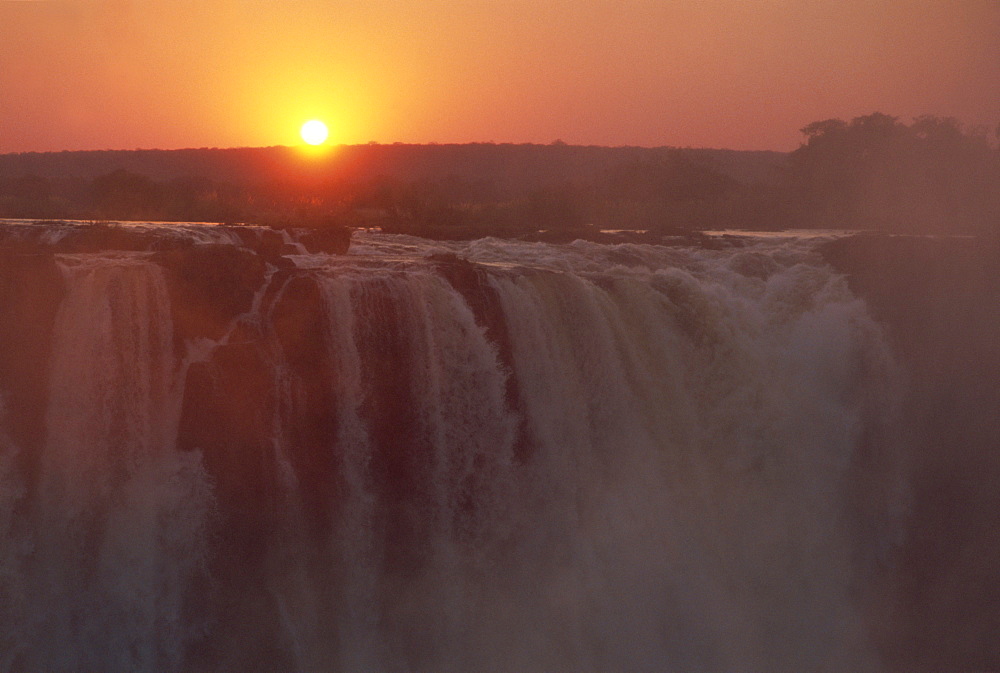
742, 74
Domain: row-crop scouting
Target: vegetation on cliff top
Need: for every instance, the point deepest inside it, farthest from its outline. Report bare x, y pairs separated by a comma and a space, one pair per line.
873, 172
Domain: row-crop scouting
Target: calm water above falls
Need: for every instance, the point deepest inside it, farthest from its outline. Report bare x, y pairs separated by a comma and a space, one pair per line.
420, 456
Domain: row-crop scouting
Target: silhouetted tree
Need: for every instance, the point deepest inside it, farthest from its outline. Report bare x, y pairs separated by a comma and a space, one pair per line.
876, 172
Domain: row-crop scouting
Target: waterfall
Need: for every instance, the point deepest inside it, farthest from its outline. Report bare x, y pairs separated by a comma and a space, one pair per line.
118, 522
690, 462
451, 457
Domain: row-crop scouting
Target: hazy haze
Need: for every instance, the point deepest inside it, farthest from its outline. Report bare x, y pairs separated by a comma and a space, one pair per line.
92, 74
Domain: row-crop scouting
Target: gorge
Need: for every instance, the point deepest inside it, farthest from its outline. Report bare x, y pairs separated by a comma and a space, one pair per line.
236, 448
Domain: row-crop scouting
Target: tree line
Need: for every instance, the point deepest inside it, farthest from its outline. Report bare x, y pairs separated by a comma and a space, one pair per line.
873, 172
932, 175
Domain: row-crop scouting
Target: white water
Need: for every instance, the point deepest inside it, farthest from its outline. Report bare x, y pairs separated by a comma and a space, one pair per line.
694, 419
117, 529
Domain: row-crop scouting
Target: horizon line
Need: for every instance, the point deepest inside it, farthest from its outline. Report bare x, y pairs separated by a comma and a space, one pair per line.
332, 146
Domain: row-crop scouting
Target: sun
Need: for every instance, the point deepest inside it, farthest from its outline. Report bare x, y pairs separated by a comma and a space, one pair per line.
314, 132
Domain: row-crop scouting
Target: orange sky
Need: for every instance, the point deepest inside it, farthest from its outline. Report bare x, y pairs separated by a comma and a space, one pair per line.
744, 74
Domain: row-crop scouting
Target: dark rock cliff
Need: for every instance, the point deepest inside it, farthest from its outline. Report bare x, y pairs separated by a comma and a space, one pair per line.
26, 325
938, 297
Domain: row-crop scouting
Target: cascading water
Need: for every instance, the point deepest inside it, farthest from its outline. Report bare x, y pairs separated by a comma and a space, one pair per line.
116, 524
452, 457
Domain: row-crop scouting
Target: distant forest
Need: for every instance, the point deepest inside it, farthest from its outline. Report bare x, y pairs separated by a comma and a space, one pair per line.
874, 172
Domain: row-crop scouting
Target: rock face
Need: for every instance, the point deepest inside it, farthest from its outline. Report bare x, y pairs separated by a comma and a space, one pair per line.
26, 322
210, 285
470, 281
332, 239
298, 334
938, 298
77, 237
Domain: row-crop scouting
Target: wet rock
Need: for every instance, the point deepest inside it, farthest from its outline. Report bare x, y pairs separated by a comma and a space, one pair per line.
74, 238
266, 242
228, 414
31, 290
937, 296
103, 237
210, 285
401, 457
470, 281
334, 240
298, 322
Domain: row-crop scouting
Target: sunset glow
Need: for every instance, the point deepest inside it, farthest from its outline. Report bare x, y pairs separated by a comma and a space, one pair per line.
499, 335
719, 73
